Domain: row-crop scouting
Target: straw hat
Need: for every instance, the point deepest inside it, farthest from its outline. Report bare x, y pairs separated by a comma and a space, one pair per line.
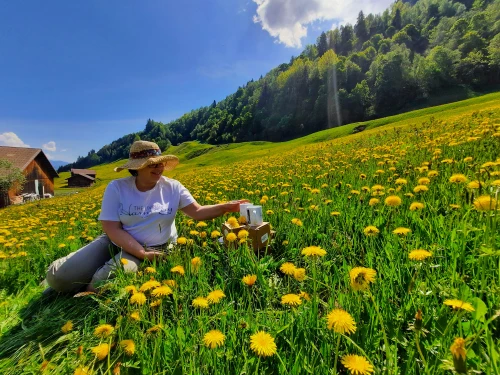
144, 153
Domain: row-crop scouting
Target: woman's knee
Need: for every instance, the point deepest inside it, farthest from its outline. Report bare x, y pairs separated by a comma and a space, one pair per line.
121, 261
59, 281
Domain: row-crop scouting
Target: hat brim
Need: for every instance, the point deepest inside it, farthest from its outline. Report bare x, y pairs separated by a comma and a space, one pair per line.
170, 161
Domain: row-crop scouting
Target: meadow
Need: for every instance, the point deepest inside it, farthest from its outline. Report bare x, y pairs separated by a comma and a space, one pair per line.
386, 260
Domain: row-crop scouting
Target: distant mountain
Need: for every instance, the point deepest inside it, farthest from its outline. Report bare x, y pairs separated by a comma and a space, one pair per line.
58, 163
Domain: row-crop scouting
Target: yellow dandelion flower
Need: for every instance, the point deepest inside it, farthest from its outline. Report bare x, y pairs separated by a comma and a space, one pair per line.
401, 231
262, 343
371, 230
335, 213
181, 240
291, 300
231, 237
495, 183
201, 224
162, 291
313, 251
214, 339
155, 303
128, 347
103, 331
148, 285
243, 234
155, 328
215, 234
305, 296
285, 242
200, 302
249, 280
420, 188
299, 274
419, 254
138, 299
196, 263
82, 371
149, 270
455, 206
68, 327
415, 206
374, 201
101, 351
178, 269
458, 178
392, 201
485, 203
233, 222
432, 174
357, 365
361, 277
242, 220
288, 268
131, 289
424, 181
170, 283
400, 181
123, 261
135, 316
215, 296
341, 322
459, 354
61, 245
456, 304
269, 212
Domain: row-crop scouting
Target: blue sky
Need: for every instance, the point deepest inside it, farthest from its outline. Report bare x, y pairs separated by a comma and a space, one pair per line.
76, 75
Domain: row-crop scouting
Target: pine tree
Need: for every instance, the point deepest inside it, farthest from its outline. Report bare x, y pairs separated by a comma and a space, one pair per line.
360, 28
322, 44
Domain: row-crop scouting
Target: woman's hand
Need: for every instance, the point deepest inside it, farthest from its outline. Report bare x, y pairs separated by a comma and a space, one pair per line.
234, 206
154, 255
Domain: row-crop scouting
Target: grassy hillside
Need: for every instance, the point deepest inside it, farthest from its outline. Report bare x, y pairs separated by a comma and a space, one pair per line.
193, 155
385, 261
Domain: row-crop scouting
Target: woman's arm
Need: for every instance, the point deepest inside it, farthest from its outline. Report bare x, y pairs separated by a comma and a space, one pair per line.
198, 212
124, 240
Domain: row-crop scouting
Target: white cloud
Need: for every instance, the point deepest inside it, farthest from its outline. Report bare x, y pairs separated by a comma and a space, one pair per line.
49, 146
49, 156
11, 139
287, 20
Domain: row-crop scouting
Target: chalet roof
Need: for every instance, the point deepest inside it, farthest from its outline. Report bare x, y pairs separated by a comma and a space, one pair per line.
20, 157
83, 171
83, 175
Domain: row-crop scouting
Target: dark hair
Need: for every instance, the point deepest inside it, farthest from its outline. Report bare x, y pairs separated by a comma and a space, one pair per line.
133, 172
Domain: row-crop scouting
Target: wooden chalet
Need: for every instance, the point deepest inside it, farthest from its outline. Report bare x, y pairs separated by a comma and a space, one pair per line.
81, 178
37, 169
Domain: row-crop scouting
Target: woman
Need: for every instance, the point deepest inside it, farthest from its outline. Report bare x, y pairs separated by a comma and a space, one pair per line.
138, 219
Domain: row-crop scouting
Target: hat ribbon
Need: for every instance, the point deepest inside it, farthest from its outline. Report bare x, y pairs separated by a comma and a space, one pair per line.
145, 153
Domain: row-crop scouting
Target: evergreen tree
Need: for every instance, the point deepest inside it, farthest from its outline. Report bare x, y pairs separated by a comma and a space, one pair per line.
396, 20
322, 44
360, 29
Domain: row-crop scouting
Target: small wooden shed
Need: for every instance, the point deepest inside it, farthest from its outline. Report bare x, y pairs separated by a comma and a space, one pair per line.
81, 178
37, 169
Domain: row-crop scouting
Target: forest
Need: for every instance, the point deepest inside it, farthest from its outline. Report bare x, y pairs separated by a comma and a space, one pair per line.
381, 65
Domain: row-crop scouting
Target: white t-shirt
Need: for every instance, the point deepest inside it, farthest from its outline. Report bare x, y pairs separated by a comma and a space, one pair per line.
147, 216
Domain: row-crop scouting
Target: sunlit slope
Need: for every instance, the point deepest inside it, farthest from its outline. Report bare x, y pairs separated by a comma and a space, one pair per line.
194, 155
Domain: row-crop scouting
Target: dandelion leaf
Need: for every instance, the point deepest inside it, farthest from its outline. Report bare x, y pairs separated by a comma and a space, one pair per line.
480, 309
